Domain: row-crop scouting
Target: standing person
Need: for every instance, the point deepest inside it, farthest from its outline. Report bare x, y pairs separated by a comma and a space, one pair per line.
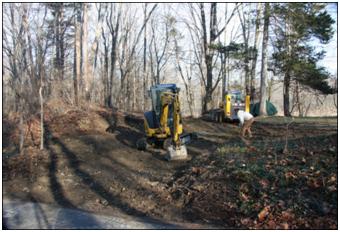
246, 120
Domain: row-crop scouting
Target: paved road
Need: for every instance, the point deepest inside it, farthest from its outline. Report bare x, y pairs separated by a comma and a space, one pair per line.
31, 215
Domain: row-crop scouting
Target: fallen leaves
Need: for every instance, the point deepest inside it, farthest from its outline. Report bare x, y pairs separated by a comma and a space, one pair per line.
314, 183
287, 215
332, 179
198, 170
285, 226
290, 175
246, 221
332, 188
252, 149
264, 213
244, 196
264, 183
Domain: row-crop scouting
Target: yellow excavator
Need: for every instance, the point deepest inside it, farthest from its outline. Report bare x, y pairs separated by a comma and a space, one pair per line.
227, 111
163, 124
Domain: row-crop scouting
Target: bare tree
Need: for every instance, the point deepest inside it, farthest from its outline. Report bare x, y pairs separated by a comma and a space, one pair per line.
160, 45
255, 46
16, 53
85, 72
186, 77
206, 46
41, 51
145, 73
112, 21
128, 57
245, 25
26, 58
77, 54
264, 72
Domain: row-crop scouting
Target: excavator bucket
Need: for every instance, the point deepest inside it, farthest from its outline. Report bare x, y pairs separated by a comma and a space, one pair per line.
179, 153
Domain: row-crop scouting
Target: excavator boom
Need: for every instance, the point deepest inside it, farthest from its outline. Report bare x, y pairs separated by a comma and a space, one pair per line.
163, 125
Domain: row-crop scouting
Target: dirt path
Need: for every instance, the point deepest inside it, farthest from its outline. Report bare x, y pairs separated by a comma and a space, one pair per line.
103, 172
20, 215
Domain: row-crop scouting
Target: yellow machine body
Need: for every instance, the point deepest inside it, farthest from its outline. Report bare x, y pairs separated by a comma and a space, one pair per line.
163, 131
163, 124
164, 120
235, 100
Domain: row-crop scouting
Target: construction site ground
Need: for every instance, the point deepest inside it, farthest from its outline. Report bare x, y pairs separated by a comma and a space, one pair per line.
285, 177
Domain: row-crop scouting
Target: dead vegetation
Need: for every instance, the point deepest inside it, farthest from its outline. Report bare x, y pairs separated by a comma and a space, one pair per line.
227, 183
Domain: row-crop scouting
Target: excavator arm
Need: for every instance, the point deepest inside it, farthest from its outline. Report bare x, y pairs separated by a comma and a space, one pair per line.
163, 125
167, 99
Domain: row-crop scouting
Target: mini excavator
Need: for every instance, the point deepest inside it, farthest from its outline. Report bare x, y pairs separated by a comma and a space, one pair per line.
163, 124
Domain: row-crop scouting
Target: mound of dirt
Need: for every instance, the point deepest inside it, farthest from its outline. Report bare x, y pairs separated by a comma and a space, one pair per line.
59, 119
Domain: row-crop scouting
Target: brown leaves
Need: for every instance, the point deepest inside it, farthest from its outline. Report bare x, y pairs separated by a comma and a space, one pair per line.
264, 213
197, 170
271, 225
271, 189
244, 197
314, 183
252, 149
332, 188
287, 215
285, 226
264, 183
290, 175
246, 221
332, 179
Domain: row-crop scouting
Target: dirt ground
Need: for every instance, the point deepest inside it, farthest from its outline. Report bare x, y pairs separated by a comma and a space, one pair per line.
282, 178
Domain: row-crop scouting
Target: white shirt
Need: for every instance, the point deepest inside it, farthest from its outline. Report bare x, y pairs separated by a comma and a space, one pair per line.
242, 115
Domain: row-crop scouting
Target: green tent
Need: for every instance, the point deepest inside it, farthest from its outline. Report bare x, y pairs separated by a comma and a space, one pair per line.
255, 109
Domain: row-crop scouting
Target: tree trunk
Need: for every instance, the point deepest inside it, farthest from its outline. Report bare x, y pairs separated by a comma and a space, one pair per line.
270, 88
264, 72
208, 89
145, 95
228, 73
106, 71
41, 118
62, 49
298, 100
114, 37
335, 96
57, 43
85, 56
22, 132
287, 75
286, 86
224, 75
253, 64
76, 65
207, 56
246, 72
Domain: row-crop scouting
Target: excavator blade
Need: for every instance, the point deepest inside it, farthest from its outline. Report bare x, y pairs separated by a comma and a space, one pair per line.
177, 153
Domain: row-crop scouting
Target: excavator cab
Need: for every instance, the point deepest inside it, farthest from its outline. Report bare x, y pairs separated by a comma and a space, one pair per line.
156, 92
235, 100
163, 124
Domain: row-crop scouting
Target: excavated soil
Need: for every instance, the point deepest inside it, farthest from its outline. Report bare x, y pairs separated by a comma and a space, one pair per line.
279, 179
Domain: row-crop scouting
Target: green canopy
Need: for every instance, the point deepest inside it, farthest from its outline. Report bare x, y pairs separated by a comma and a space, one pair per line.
255, 109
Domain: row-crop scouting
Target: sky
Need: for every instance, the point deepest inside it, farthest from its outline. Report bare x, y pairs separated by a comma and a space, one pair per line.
331, 59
